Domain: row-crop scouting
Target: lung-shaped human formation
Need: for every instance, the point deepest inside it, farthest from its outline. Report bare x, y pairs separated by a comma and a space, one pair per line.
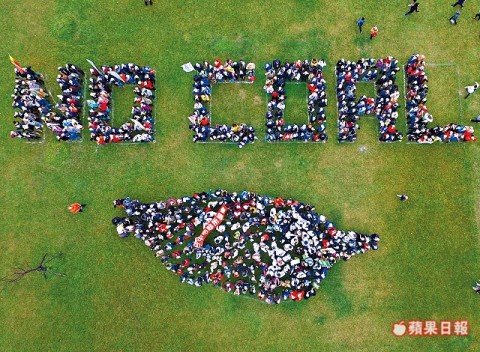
271, 248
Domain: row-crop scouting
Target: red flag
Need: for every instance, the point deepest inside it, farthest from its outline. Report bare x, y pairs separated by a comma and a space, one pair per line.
17, 65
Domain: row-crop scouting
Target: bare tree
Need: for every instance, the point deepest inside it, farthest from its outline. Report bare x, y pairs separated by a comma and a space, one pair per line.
21, 271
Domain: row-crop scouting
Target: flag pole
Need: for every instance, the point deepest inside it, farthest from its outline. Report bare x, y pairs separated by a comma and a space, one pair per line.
95, 67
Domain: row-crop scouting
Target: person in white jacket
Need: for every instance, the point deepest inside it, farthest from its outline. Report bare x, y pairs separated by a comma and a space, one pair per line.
471, 89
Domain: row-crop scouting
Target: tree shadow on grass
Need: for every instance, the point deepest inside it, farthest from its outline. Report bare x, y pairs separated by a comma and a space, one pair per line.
237, 47
336, 293
314, 44
363, 41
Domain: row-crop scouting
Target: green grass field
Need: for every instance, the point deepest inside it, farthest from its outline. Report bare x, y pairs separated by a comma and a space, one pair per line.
118, 297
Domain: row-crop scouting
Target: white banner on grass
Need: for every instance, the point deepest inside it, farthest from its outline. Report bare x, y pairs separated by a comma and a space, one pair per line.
188, 67
116, 75
95, 67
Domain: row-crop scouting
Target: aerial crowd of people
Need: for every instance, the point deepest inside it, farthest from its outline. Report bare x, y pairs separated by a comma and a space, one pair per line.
200, 120
418, 116
277, 76
140, 127
385, 106
36, 106
275, 249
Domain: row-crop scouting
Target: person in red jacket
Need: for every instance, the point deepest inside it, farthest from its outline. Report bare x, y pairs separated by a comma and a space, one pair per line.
75, 208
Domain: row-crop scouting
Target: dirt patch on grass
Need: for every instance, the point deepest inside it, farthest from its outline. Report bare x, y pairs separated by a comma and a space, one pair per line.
242, 94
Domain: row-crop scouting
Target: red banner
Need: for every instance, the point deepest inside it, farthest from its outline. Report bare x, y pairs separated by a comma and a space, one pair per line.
212, 225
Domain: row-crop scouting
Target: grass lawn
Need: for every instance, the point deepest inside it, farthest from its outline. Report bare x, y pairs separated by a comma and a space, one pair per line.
118, 297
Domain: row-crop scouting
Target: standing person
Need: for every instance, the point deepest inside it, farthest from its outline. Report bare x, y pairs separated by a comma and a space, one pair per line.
413, 7
459, 2
477, 16
455, 17
148, 2
360, 23
471, 89
373, 32
402, 197
476, 288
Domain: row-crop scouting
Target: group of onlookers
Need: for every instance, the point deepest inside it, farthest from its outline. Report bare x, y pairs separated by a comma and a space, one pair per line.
277, 77
200, 121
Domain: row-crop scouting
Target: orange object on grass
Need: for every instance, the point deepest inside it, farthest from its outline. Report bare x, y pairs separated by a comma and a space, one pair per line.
74, 208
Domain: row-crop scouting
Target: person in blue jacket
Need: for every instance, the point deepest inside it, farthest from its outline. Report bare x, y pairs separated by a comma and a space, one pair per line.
360, 23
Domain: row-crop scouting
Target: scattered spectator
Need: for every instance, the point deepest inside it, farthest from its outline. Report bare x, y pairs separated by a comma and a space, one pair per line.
413, 7
459, 2
202, 90
75, 208
455, 17
277, 76
373, 32
360, 23
272, 248
471, 89
476, 288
